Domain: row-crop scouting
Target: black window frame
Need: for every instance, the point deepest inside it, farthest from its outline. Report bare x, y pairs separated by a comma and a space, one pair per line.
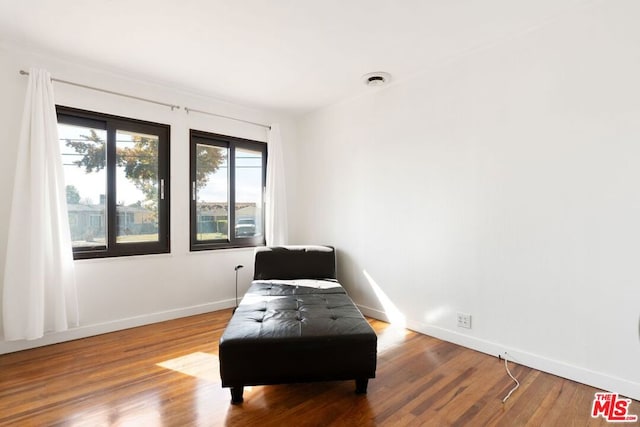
231, 143
112, 123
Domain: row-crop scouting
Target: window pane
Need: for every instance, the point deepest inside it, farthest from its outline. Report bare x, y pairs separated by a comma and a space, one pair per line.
137, 187
83, 151
212, 199
248, 193
116, 205
227, 203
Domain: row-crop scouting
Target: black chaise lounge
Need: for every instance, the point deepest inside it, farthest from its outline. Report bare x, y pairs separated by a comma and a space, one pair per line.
296, 324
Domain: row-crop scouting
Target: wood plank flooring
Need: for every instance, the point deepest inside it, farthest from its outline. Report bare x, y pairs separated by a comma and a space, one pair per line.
167, 374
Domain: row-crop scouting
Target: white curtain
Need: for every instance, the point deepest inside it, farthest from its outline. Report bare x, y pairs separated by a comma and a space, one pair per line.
39, 292
276, 199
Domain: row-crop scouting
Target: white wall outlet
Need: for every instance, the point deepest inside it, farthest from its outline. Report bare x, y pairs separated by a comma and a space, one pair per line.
464, 320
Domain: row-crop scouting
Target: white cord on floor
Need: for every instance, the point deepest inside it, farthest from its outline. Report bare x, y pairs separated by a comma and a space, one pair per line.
506, 366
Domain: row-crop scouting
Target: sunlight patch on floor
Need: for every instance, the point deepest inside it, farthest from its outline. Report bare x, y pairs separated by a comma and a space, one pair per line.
391, 337
201, 365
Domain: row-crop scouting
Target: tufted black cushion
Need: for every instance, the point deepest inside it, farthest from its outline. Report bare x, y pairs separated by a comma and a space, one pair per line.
276, 336
296, 317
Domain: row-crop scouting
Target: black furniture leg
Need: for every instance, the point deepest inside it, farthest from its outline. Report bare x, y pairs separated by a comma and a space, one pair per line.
236, 395
361, 385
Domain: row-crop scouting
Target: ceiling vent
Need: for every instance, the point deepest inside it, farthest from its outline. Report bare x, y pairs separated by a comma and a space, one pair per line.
377, 78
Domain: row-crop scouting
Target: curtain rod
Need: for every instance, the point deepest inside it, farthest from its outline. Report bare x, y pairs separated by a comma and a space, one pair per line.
172, 106
189, 110
25, 73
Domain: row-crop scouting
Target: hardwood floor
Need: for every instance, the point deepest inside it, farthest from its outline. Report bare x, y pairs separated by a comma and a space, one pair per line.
167, 374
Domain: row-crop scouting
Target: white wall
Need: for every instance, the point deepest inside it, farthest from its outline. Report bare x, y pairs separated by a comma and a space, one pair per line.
121, 292
504, 184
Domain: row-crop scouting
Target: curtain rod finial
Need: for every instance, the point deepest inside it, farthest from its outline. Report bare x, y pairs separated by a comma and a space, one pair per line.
24, 73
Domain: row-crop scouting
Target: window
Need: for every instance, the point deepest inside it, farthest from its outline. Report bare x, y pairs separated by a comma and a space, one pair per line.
117, 189
227, 191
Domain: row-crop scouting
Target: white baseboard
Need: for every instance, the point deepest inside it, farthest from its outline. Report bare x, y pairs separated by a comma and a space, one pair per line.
598, 380
115, 325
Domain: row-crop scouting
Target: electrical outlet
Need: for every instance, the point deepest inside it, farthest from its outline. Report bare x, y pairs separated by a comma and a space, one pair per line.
464, 320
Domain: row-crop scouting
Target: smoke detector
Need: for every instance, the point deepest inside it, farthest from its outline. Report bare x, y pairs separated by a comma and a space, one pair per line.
377, 78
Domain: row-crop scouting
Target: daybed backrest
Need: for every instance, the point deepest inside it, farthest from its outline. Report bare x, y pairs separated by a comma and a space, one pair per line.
295, 262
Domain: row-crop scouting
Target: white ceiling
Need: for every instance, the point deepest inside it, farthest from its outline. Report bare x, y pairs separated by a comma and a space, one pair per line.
291, 55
